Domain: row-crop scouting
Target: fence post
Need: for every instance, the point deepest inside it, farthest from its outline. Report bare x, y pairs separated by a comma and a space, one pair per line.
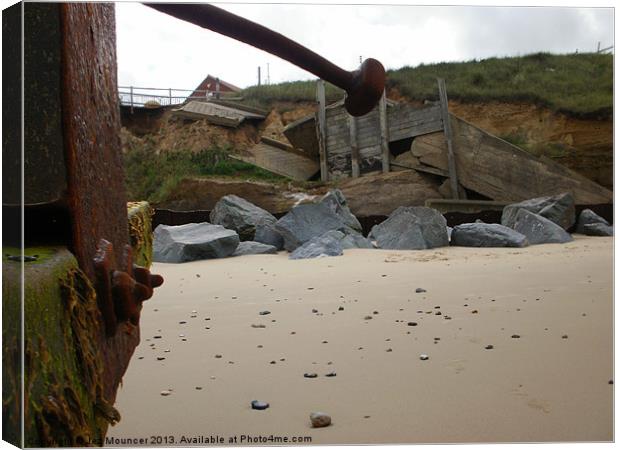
384, 133
170, 96
321, 129
447, 129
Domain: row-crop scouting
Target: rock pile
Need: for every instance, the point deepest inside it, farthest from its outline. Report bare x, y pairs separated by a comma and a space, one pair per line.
327, 228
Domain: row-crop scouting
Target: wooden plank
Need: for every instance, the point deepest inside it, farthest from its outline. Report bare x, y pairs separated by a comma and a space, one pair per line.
355, 168
385, 137
443, 99
501, 171
281, 162
320, 129
286, 147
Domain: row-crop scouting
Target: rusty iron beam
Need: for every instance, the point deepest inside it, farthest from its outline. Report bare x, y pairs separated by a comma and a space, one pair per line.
364, 86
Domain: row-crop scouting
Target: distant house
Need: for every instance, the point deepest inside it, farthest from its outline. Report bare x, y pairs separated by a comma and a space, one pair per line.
213, 84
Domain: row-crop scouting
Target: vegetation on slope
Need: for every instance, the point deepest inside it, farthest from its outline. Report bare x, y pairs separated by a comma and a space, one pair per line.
152, 176
575, 84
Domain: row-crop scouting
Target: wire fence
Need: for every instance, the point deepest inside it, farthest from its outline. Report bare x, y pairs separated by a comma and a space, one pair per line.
145, 97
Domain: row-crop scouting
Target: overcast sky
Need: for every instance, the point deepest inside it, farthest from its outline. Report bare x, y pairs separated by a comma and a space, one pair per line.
156, 50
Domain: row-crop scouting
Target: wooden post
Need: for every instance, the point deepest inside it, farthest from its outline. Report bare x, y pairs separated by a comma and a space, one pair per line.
321, 130
131, 98
447, 130
170, 95
355, 151
385, 138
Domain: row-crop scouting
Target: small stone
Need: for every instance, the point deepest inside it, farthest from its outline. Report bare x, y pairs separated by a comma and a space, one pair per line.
160, 358
389, 350
475, 311
182, 322
257, 404
315, 311
420, 290
320, 419
611, 382
438, 313
375, 312
258, 325
515, 336
341, 308
489, 347
565, 336
259, 346
264, 313
310, 375
324, 342
218, 356
165, 393
272, 362
423, 357
181, 335
330, 374
157, 337
198, 388
367, 317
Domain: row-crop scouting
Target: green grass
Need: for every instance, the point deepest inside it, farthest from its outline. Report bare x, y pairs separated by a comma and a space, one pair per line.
265, 96
576, 84
152, 177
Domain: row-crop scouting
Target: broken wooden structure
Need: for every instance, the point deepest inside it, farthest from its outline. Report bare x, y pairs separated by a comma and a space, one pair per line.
219, 112
280, 158
462, 158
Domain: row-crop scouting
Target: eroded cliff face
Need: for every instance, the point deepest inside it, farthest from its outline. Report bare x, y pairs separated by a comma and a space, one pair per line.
583, 145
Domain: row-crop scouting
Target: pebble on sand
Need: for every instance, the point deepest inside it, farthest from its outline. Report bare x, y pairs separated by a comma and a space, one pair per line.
257, 404
489, 347
420, 290
165, 393
320, 419
264, 313
423, 357
310, 375
330, 374
412, 324
515, 336
367, 317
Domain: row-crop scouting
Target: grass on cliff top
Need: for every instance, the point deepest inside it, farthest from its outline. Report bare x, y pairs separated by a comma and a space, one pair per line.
152, 177
576, 84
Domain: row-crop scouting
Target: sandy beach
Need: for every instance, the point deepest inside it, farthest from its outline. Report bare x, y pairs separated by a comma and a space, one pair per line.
546, 311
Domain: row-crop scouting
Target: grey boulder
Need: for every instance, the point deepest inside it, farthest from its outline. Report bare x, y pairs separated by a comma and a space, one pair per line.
328, 244
486, 235
588, 217
254, 248
598, 229
354, 240
192, 241
559, 209
539, 230
236, 213
307, 221
337, 203
411, 228
266, 233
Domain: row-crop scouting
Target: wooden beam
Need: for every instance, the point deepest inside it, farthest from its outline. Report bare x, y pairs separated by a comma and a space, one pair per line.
447, 130
321, 129
385, 138
355, 151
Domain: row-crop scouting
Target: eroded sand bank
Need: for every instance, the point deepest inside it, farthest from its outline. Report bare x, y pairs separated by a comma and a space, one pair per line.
552, 383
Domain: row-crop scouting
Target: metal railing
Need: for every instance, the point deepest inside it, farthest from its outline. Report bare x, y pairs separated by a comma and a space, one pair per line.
145, 97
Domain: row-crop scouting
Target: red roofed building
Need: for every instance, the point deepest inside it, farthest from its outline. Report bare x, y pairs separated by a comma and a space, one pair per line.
211, 84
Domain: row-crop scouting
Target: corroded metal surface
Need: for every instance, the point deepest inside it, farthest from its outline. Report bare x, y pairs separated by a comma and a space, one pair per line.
96, 196
364, 86
91, 123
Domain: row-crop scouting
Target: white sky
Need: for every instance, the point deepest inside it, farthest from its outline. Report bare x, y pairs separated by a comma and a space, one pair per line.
156, 50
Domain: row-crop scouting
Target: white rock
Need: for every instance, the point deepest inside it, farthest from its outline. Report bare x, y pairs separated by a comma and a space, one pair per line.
320, 419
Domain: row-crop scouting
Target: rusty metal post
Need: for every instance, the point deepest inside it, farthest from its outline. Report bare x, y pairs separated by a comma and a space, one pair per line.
364, 86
